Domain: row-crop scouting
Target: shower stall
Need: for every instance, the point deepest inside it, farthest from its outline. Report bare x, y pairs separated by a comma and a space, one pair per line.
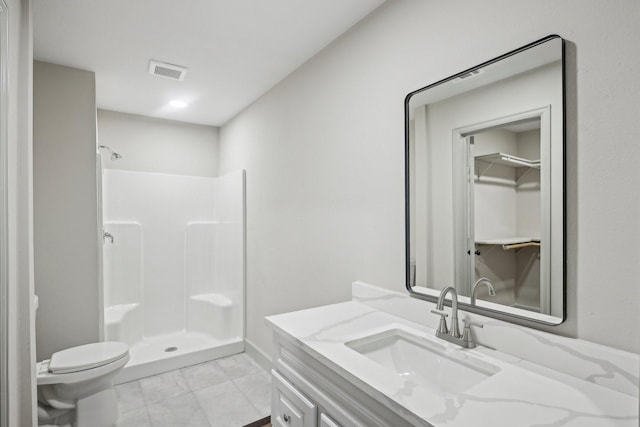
173, 267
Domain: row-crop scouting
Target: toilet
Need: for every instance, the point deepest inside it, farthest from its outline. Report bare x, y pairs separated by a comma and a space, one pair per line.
76, 385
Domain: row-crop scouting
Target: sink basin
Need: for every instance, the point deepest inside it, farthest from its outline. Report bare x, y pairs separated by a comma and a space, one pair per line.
426, 362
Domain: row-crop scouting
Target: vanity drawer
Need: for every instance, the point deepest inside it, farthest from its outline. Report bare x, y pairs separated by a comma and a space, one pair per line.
289, 407
327, 421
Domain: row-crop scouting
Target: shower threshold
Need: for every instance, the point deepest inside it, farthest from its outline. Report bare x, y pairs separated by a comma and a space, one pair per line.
162, 353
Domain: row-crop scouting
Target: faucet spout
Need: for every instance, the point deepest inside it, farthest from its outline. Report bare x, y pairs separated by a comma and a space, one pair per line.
481, 281
455, 328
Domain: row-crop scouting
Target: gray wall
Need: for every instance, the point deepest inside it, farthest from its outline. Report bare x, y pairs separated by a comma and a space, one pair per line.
65, 207
323, 152
158, 145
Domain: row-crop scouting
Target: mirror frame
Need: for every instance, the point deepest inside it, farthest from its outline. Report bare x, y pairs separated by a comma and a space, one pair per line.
498, 314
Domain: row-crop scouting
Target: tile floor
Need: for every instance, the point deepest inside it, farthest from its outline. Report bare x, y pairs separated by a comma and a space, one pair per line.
233, 391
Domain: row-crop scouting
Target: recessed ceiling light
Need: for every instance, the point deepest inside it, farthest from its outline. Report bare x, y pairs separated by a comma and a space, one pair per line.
177, 103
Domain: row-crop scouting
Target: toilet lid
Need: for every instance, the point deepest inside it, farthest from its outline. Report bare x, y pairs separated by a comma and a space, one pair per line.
87, 356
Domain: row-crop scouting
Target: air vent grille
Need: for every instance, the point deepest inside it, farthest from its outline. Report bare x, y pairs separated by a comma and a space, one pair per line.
169, 71
470, 74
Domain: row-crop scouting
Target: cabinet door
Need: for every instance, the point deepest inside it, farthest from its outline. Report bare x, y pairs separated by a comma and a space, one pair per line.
327, 421
289, 407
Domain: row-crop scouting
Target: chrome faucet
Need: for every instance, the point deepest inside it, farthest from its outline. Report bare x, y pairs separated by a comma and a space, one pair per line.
480, 281
453, 335
442, 327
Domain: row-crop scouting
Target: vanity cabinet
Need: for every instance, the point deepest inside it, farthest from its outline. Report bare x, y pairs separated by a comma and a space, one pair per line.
351, 365
326, 421
289, 406
306, 393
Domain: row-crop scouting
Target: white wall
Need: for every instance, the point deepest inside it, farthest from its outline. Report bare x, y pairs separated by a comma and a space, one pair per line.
21, 338
323, 152
156, 145
65, 207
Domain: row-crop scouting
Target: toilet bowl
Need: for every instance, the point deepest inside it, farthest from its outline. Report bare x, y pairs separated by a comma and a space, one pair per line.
76, 385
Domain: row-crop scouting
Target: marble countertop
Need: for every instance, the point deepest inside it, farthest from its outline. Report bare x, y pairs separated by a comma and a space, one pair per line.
519, 394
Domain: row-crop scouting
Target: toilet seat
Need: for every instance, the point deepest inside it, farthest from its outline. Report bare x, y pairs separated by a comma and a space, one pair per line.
83, 363
86, 356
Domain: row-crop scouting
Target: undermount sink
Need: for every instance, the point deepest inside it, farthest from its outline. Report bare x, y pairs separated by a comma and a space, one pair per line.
428, 363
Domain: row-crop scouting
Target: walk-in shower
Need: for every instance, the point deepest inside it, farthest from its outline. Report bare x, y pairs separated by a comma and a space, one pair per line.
173, 267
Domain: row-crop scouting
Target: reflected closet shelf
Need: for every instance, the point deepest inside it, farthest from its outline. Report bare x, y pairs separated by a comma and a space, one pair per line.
509, 160
511, 242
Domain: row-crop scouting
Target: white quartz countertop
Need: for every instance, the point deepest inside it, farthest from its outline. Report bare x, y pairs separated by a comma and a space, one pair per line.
519, 394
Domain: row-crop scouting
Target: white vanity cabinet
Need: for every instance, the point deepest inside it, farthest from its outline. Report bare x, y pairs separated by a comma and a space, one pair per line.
289, 407
292, 408
348, 364
326, 421
306, 393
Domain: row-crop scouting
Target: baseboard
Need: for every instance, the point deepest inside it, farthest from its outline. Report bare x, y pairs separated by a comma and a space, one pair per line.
258, 355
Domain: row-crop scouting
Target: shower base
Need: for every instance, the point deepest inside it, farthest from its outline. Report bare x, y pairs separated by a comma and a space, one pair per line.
162, 353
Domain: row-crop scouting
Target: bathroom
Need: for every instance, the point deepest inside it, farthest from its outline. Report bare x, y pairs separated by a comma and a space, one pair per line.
324, 159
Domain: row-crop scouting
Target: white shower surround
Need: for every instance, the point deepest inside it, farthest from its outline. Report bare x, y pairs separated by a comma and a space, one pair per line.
174, 273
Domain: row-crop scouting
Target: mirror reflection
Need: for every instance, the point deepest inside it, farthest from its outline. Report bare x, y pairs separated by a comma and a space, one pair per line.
486, 185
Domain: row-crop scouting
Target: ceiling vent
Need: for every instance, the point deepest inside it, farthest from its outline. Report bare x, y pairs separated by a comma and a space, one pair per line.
472, 73
169, 71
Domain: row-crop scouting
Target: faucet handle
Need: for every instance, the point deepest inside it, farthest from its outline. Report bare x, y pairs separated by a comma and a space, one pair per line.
467, 336
468, 323
442, 324
440, 312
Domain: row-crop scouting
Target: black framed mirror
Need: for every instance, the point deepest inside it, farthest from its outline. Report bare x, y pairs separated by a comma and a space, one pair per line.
485, 181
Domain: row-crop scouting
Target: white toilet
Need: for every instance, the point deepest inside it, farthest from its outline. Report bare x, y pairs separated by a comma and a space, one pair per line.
75, 385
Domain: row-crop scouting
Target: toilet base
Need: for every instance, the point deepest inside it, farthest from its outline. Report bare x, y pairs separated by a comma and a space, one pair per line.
50, 417
97, 410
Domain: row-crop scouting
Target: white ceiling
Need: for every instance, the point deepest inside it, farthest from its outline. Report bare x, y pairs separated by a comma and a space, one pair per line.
235, 50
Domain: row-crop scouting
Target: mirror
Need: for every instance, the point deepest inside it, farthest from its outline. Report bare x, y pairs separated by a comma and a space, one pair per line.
485, 185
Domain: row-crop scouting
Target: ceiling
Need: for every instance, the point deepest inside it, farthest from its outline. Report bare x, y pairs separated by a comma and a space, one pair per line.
235, 50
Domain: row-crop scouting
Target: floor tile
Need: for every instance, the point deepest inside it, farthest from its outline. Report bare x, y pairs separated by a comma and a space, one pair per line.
257, 389
239, 365
204, 375
136, 418
179, 411
129, 396
231, 391
160, 387
226, 406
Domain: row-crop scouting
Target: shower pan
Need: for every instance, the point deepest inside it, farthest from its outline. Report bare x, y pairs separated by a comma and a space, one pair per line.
173, 268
